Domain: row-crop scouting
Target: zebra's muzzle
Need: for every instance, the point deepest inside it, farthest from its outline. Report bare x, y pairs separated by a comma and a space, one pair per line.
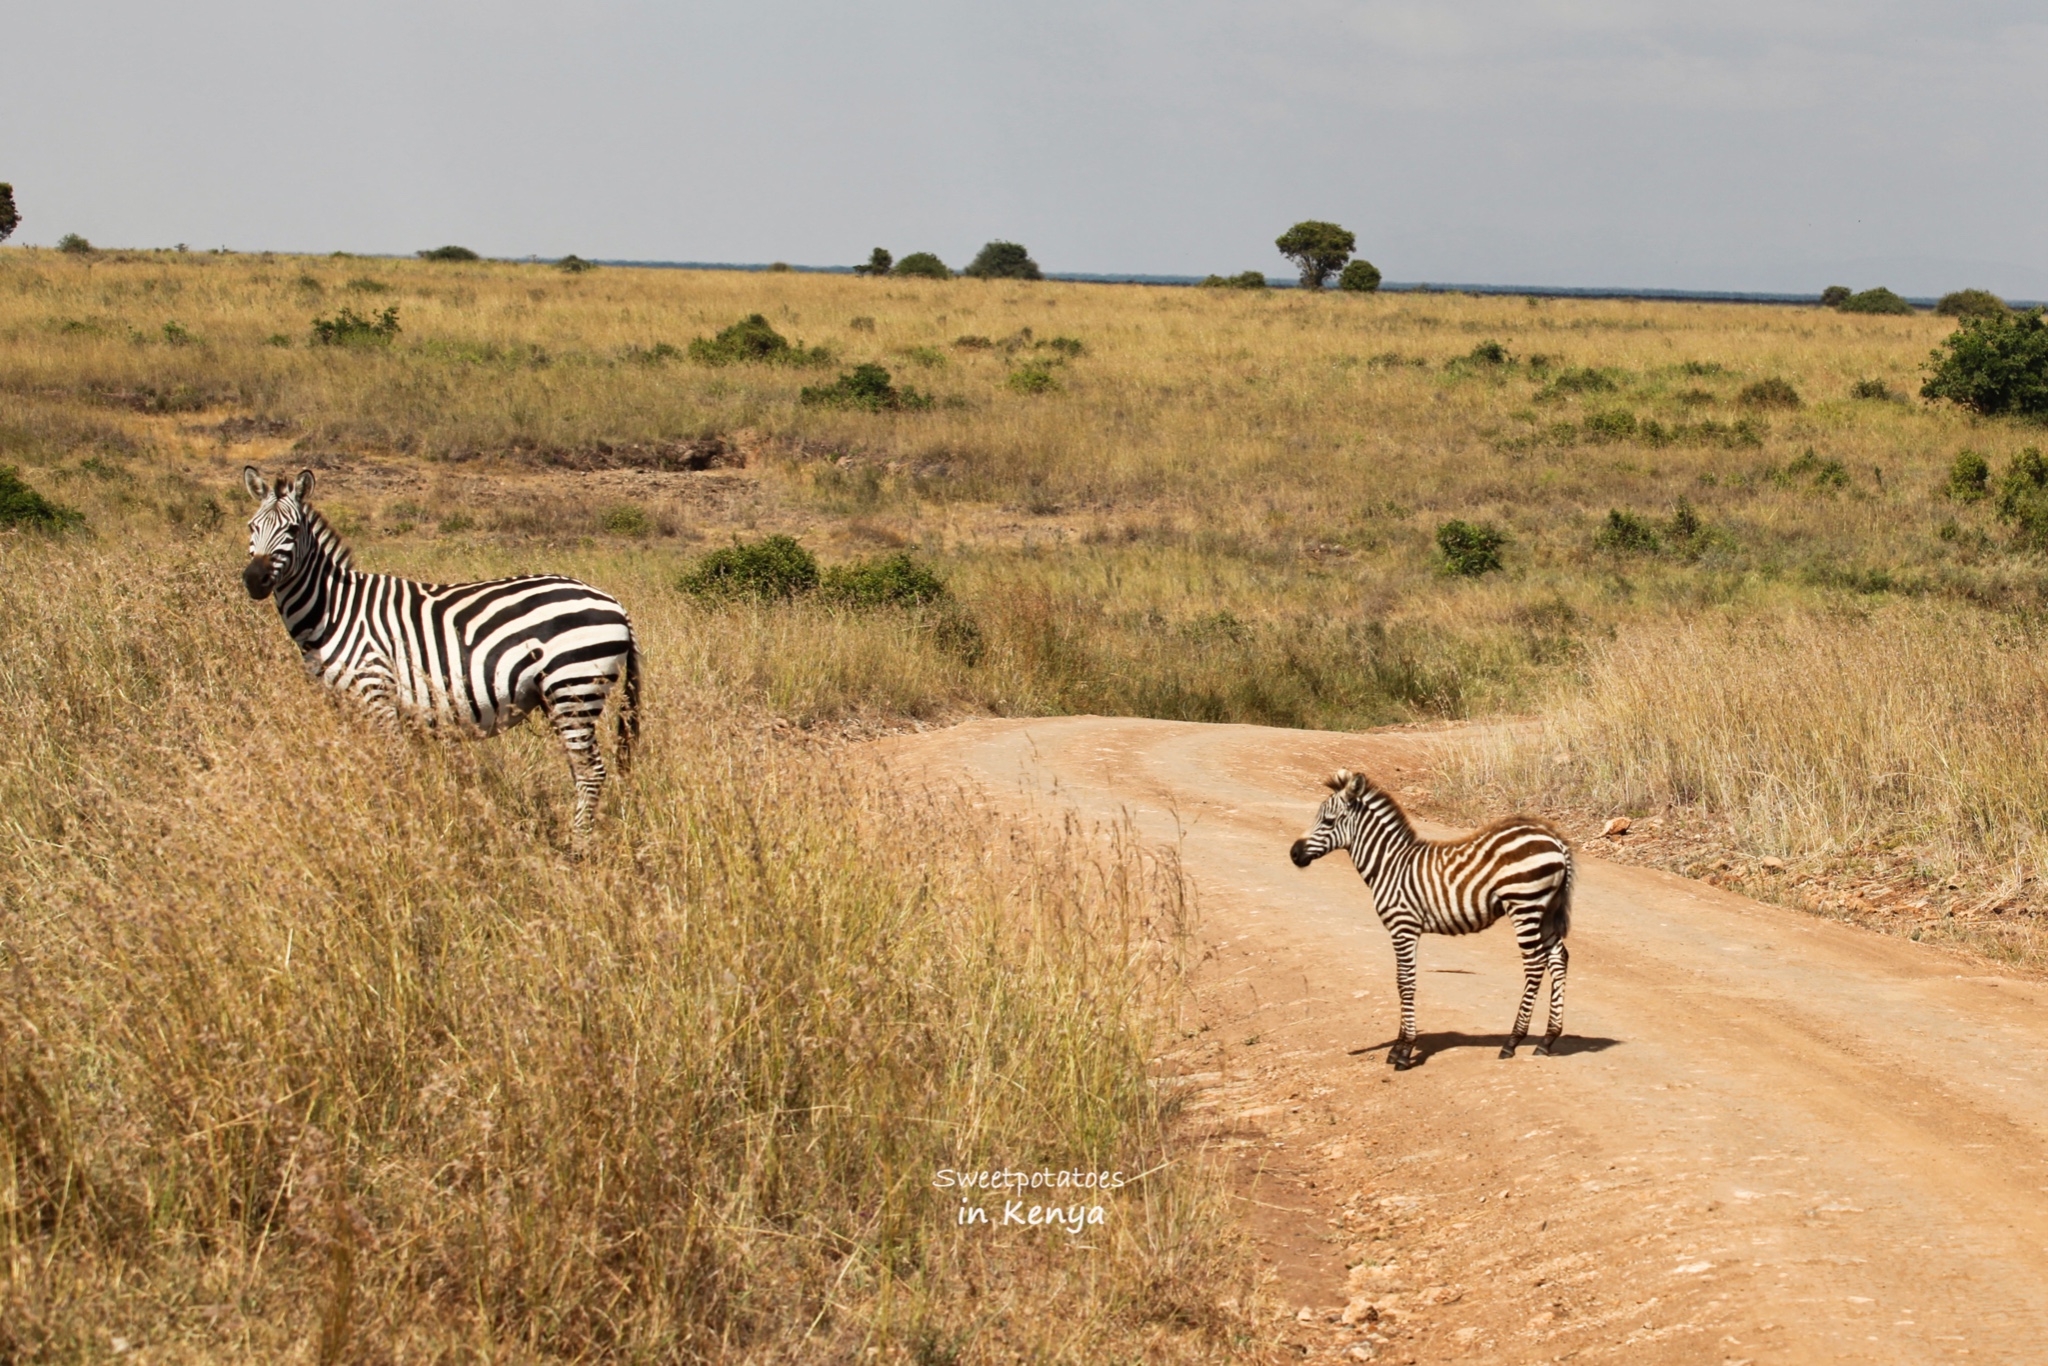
256, 578
1299, 853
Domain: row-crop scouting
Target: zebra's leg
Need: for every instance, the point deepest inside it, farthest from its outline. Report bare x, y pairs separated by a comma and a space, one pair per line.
574, 709
1559, 956
1404, 1054
1529, 937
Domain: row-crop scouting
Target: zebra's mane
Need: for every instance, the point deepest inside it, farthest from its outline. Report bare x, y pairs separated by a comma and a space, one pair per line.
1368, 795
327, 538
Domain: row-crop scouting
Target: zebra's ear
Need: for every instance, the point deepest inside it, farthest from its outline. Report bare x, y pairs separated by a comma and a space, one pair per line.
253, 482
303, 487
1336, 784
1356, 787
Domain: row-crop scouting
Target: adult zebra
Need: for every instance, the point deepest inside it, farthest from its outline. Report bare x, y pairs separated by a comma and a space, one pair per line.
474, 656
1518, 867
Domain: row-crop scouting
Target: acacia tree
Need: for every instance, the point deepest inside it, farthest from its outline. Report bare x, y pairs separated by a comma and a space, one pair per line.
10, 217
1004, 261
878, 263
1319, 249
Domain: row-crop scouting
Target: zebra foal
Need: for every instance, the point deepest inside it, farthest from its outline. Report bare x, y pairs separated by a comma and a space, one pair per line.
1518, 867
476, 657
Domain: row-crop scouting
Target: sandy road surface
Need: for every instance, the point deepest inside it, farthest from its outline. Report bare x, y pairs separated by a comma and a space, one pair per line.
1767, 1138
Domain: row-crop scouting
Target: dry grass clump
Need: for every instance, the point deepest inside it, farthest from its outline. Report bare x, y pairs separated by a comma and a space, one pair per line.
317, 1044
1909, 728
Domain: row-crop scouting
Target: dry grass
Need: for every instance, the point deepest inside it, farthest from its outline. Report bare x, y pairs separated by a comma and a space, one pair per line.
316, 1044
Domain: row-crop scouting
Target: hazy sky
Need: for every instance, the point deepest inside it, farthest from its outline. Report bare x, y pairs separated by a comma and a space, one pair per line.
1730, 145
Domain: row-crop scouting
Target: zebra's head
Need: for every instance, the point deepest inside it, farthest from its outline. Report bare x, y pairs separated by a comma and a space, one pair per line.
1346, 789
274, 530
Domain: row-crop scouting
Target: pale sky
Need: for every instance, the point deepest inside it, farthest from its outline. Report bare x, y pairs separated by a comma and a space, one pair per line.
1725, 145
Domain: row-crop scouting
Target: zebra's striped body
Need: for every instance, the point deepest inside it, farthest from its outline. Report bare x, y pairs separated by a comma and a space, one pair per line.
1518, 867
473, 657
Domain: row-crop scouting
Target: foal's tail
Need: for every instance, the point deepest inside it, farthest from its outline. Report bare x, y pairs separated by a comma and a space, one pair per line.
1558, 917
629, 705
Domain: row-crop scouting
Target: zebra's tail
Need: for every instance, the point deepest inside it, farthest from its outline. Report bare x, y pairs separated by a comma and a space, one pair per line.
1560, 914
629, 706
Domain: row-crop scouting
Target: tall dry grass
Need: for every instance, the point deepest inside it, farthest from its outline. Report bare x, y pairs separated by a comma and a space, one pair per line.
1911, 728
316, 1043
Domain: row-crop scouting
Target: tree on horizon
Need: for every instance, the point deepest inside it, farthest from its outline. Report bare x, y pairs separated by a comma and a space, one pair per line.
1319, 249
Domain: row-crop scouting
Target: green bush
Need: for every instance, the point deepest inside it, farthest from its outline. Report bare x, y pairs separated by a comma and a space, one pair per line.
1834, 296
899, 580
1809, 467
1627, 534
1582, 380
349, 328
1769, 393
1879, 300
653, 355
574, 265
22, 506
879, 262
1319, 249
2023, 500
177, 334
448, 253
973, 343
1003, 261
1470, 550
866, 387
1616, 424
1971, 303
774, 567
1360, 277
74, 244
1870, 388
930, 357
1487, 353
1969, 477
627, 520
1244, 279
1995, 364
753, 339
1034, 377
10, 217
922, 265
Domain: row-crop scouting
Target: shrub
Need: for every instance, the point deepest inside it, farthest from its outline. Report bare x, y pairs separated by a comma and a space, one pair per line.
1834, 296
1034, 377
74, 244
1969, 477
448, 253
863, 323
349, 328
653, 355
780, 267
1244, 279
930, 357
1627, 534
1583, 380
1003, 261
363, 284
865, 387
1769, 393
1994, 364
278, 339
1317, 248
10, 217
922, 265
2023, 500
1879, 300
1870, 388
574, 265
627, 520
771, 568
1360, 277
177, 334
22, 506
753, 339
1488, 353
973, 343
1971, 303
1616, 424
1685, 527
1470, 550
899, 580
1066, 346
878, 263
1823, 474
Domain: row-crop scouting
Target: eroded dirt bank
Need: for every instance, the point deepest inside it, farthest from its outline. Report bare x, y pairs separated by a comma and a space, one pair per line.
1767, 1138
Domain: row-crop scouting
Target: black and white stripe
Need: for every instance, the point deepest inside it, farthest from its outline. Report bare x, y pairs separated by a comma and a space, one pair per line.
1518, 867
475, 657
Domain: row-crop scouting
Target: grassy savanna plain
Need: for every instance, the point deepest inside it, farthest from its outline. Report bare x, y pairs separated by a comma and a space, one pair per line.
320, 1041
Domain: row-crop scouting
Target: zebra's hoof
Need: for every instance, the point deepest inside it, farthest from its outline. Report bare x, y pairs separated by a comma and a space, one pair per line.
1507, 1050
1542, 1050
1403, 1061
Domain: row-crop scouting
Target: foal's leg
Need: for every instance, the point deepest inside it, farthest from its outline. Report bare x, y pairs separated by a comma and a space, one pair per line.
574, 708
1535, 953
1559, 956
1403, 1055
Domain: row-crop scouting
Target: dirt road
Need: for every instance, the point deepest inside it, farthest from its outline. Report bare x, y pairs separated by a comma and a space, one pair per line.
1767, 1138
